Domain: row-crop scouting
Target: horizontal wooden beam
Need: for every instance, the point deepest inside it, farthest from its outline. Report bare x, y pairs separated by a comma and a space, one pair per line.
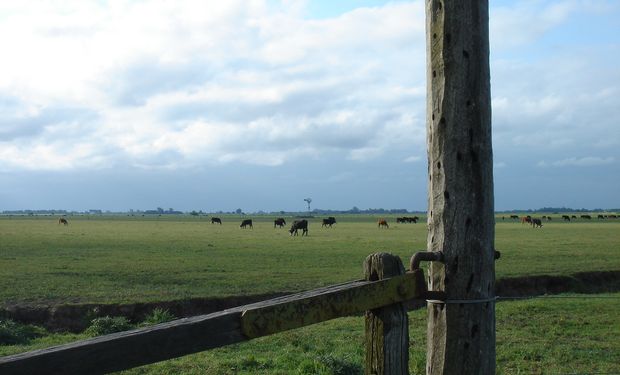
124, 350
329, 303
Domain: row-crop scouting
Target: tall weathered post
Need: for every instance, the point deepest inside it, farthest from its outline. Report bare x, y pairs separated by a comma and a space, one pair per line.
461, 329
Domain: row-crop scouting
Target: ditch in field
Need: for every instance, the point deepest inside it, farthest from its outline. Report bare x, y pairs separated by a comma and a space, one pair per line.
77, 317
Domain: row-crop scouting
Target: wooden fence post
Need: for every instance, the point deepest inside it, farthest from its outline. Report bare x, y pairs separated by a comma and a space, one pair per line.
387, 333
461, 329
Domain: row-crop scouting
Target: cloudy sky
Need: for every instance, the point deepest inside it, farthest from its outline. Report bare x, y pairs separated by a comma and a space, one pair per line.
258, 104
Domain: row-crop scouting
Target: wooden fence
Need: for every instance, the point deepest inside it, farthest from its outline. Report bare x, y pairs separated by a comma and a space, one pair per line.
380, 294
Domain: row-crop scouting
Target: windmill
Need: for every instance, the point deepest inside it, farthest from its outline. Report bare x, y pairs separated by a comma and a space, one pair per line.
308, 200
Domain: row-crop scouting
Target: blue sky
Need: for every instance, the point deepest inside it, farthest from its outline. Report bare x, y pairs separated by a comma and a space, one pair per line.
213, 105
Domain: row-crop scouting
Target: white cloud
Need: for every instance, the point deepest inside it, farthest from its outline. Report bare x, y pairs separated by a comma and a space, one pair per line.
194, 85
523, 22
90, 84
412, 159
366, 153
588, 161
55, 156
191, 82
559, 91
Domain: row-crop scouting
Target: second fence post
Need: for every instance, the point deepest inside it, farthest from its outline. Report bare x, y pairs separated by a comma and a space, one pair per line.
387, 332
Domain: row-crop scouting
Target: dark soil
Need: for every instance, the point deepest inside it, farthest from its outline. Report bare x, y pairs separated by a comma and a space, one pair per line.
76, 317
583, 282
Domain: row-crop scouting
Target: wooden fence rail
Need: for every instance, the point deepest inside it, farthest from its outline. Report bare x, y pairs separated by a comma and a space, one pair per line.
125, 350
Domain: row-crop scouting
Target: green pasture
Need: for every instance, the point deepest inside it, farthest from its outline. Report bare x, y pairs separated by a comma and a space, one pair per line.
566, 334
137, 259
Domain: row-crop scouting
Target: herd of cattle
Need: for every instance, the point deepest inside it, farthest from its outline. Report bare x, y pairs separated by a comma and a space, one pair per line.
537, 223
382, 223
280, 222
303, 224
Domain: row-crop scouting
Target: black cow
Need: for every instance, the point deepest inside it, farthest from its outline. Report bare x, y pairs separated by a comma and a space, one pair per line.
245, 223
299, 224
514, 217
566, 217
573, 217
587, 217
601, 217
536, 223
329, 222
401, 220
216, 220
280, 222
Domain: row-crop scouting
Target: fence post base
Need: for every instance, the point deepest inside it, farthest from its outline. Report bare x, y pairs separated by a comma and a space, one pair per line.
387, 332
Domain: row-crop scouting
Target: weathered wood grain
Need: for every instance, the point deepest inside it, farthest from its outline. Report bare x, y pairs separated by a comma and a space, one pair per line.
328, 303
129, 349
387, 328
461, 337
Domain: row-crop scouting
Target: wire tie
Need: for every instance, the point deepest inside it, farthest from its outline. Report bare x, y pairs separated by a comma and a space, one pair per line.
462, 301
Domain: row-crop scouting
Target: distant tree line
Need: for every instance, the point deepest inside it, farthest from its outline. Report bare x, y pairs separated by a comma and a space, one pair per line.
356, 210
36, 212
316, 211
161, 211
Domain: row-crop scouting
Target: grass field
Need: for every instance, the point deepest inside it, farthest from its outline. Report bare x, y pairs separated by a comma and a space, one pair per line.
136, 259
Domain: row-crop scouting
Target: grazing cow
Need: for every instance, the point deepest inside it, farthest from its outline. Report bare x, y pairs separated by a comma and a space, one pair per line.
566, 217
573, 217
401, 220
516, 217
216, 220
329, 222
245, 223
382, 223
587, 217
63, 221
601, 217
280, 222
412, 219
613, 216
299, 224
526, 219
548, 218
536, 223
